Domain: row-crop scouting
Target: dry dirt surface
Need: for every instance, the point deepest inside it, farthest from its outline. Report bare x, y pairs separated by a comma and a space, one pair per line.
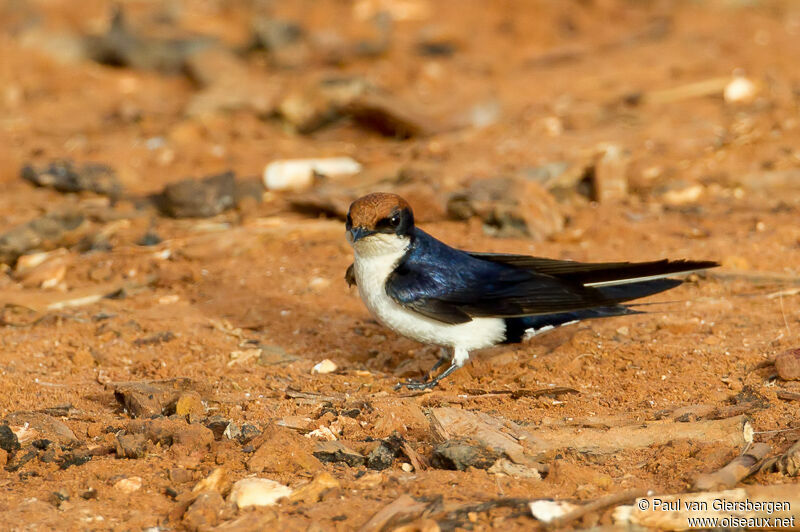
165, 318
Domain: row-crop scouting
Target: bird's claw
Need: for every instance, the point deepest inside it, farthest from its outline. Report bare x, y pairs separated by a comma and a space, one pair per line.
416, 385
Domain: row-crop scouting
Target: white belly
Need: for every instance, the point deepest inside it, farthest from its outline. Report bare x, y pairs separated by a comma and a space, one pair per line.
371, 273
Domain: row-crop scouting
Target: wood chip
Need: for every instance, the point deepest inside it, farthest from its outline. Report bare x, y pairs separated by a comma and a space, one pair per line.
596, 505
738, 469
524, 444
404, 507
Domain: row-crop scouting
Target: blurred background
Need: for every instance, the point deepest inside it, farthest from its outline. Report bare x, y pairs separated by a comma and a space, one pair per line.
674, 99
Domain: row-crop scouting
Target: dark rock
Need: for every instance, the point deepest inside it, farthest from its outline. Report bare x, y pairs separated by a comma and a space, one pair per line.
509, 207
40, 426
41, 443
249, 189
21, 458
158, 338
122, 46
247, 433
311, 109
59, 496
45, 233
284, 40
8, 440
217, 425
390, 117
48, 456
192, 198
336, 451
382, 456
91, 493
204, 512
131, 446
150, 398
460, 454
436, 48
149, 239
66, 176
58, 410
273, 34
74, 459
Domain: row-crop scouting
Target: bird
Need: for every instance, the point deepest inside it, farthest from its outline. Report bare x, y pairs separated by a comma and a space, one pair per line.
433, 293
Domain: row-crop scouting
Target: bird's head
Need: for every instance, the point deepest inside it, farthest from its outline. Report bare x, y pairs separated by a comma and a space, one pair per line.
379, 223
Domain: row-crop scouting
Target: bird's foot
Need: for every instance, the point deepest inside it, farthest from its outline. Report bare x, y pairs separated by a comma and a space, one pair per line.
417, 385
427, 384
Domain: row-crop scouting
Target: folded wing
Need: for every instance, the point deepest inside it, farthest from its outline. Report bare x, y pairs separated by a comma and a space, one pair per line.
466, 286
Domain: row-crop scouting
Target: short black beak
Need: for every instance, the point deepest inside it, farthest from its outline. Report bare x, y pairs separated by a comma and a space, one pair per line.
357, 233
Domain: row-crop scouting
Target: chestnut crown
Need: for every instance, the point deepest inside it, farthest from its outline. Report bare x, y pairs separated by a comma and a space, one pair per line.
379, 212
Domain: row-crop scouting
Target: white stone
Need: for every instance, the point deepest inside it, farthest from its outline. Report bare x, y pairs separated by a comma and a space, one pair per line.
319, 283
545, 511
129, 485
740, 90
326, 366
298, 174
258, 492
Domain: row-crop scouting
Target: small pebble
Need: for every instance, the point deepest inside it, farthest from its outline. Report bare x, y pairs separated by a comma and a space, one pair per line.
326, 366
740, 90
169, 299
319, 283
405, 466
213, 482
545, 511
129, 485
787, 364
258, 492
298, 174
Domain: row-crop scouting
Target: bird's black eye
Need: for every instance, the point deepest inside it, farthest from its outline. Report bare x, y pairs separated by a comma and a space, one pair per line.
394, 220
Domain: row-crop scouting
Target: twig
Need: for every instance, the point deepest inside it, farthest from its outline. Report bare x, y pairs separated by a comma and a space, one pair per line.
738, 469
508, 437
293, 393
404, 508
516, 394
786, 395
735, 431
597, 505
781, 293
418, 461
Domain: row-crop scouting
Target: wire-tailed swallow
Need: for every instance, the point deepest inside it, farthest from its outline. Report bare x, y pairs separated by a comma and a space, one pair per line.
426, 290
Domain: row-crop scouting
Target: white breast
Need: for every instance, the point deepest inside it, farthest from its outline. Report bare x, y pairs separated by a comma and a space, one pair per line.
372, 270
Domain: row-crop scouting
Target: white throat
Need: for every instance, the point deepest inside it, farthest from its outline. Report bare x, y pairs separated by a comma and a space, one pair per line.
381, 246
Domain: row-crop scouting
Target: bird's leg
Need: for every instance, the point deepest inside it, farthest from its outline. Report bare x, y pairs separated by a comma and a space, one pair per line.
416, 385
460, 356
444, 356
